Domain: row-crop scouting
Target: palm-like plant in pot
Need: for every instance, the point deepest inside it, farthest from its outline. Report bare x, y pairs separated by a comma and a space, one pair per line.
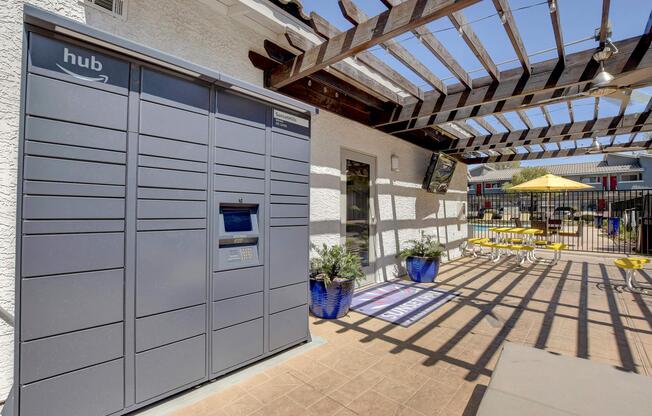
333, 274
422, 258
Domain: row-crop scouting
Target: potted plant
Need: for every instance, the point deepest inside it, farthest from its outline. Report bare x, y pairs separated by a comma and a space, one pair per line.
422, 258
333, 274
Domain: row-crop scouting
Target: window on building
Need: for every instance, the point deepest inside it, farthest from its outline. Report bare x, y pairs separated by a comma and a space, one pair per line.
491, 185
590, 179
631, 177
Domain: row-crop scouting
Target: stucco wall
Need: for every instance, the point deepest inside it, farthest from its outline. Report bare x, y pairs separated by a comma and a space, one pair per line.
403, 208
196, 32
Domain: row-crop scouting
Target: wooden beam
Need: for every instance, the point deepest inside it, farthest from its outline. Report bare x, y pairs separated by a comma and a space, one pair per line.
313, 92
553, 7
327, 30
437, 48
455, 133
468, 128
546, 154
356, 16
556, 133
596, 108
473, 41
546, 114
381, 28
503, 120
485, 125
549, 79
505, 13
604, 22
571, 116
301, 43
525, 119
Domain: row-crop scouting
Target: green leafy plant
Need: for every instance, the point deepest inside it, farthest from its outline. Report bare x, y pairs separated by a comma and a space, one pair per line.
427, 246
334, 264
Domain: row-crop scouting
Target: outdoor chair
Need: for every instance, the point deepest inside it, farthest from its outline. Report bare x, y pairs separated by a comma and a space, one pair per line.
630, 265
473, 246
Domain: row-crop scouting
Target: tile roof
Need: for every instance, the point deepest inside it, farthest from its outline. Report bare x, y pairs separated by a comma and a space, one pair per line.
571, 169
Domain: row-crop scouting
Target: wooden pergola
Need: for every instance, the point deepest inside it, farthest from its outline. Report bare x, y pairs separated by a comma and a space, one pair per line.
336, 71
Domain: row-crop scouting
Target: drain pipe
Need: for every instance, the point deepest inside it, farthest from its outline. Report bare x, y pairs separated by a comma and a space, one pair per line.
9, 319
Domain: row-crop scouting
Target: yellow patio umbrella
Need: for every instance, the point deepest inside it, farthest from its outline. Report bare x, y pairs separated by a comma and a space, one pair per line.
549, 183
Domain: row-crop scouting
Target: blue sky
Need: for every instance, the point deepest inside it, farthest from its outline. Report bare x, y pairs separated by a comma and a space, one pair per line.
579, 19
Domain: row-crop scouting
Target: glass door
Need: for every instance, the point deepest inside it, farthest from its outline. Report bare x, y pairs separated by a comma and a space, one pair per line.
358, 212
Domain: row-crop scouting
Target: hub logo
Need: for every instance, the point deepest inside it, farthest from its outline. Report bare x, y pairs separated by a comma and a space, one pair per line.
91, 63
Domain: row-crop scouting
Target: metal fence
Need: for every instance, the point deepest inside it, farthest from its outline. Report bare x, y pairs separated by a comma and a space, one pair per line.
596, 221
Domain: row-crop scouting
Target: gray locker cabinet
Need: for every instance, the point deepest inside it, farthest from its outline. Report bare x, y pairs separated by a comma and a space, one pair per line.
92, 391
123, 300
287, 327
170, 271
64, 303
236, 344
285, 245
60, 100
60, 354
287, 297
238, 282
236, 310
167, 368
165, 328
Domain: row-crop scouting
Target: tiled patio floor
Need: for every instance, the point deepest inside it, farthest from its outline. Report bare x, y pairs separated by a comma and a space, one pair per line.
442, 364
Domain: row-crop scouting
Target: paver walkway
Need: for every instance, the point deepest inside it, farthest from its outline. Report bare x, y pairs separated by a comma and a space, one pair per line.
442, 364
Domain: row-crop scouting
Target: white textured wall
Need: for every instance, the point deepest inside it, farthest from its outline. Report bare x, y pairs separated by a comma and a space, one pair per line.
403, 208
196, 32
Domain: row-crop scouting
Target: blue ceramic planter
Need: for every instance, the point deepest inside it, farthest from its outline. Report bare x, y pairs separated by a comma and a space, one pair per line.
422, 269
330, 302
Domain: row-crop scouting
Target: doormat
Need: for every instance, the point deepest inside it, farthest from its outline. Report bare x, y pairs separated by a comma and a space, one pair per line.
398, 302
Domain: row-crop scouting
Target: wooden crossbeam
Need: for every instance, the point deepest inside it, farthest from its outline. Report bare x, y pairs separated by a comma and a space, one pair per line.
571, 116
546, 154
383, 27
604, 22
437, 48
525, 119
452, 132
356, 16
485, 125
556, 133
546, 114
469, 128
503, 120
320, 90
473, 41
548, 80
553, 6
300, 42
327, 30
505, 13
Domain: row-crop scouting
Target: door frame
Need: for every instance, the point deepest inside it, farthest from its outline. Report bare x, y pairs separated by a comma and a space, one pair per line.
349, 154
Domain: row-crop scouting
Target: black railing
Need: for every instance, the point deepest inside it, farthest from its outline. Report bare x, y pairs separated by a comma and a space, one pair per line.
597, 221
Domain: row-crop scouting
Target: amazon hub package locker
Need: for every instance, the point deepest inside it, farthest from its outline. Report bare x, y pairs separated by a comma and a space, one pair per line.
163, 231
